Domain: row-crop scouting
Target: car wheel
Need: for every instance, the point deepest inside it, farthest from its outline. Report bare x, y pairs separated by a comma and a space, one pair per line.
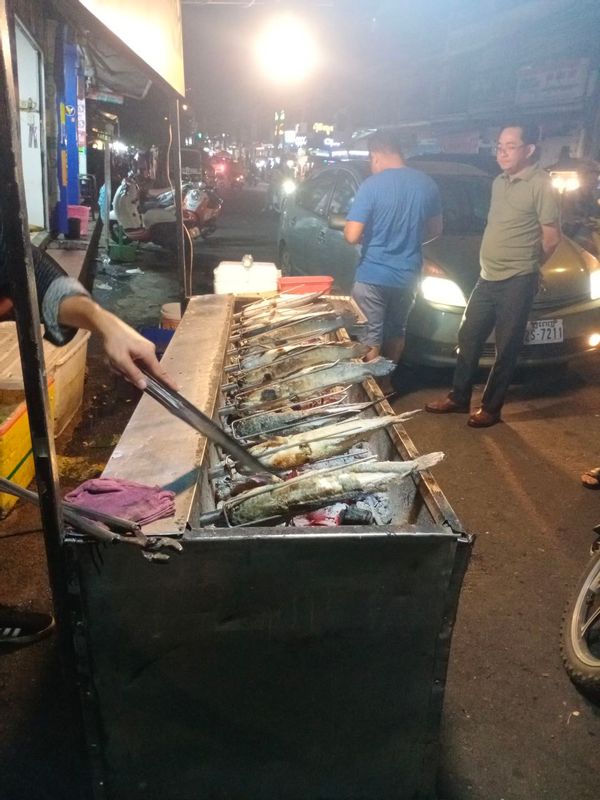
285, 262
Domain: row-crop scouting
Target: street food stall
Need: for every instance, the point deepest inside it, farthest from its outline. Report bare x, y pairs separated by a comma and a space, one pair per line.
296, 649
281, 634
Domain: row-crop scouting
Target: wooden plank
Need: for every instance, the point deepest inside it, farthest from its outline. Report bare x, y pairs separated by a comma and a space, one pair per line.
156, 447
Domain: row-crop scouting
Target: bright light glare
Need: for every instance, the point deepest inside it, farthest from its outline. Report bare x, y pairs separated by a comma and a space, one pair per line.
595, 284
118, 147
288, 186
442, 291
565, 181
594, 340
286, 50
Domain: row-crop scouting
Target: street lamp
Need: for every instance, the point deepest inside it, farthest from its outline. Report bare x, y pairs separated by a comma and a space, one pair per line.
286, 50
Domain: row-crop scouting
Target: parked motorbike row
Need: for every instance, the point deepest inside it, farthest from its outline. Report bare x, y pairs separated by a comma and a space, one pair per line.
154, 219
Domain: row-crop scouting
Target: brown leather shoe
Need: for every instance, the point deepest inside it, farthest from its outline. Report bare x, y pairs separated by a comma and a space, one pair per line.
446, 406
483, 419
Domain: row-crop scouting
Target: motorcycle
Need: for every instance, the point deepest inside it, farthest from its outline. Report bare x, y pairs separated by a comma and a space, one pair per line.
152, 221
580, 636
205, 204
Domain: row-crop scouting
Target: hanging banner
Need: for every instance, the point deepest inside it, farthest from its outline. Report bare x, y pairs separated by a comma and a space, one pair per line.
151, 30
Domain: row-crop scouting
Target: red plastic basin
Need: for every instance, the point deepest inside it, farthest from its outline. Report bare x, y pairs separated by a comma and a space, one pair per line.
304, 284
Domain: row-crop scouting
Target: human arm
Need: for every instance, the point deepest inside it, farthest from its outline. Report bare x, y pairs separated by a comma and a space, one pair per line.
548, 213
551, 237
122, 345
353, 231
66, 306
433, 228
359, 214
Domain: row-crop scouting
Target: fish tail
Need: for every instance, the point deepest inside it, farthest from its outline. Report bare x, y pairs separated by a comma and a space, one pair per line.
427, 461
380, 367
408, 414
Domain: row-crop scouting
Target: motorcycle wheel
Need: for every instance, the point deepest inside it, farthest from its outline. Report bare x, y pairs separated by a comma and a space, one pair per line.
580, 639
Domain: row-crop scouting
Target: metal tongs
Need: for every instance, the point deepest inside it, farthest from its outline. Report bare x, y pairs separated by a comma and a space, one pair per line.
110, 530
187, 412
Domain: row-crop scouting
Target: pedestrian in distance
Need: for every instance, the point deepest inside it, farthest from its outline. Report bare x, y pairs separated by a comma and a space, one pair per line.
65, 306
522, 233
395, 211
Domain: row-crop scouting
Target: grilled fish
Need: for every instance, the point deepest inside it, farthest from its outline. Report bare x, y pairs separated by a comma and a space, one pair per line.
321, 487
279, 302
300, 358
274, 316
271, 422
287, 452
313, 380
287, 332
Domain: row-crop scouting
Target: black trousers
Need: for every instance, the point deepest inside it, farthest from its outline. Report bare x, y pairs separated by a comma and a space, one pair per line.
503, 307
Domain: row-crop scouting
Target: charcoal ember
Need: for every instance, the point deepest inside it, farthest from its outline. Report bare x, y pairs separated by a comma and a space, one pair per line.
353, 515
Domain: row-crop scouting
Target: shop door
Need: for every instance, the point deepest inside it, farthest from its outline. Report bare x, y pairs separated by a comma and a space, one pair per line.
29, 66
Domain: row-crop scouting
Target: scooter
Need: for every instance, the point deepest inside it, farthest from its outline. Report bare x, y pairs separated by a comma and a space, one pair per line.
205, 204
580, 638
154, 221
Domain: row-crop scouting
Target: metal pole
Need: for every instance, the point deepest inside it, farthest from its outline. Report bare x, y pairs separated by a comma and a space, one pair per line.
17, 251
107, 195
182, 241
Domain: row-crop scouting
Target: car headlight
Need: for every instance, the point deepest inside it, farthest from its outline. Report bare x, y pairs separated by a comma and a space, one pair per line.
595, 284
288, 186
443, 291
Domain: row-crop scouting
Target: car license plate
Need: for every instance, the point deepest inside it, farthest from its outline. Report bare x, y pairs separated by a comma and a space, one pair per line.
544, 331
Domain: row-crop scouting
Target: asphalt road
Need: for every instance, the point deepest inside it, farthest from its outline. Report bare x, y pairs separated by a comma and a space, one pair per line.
514, 728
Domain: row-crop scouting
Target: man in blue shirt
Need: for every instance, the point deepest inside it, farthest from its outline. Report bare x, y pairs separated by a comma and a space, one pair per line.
394, 212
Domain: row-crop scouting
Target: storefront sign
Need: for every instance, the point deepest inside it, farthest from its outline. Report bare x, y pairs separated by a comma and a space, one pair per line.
561, 82
106, 97
323, 127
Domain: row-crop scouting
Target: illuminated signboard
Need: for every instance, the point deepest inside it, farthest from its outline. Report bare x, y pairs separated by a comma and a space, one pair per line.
151, 30
323, 127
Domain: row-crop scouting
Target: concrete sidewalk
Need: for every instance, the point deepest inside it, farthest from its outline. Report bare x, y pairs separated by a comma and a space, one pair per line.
75, 256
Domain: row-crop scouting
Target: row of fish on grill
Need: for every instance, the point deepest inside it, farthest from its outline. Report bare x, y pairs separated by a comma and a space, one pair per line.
287, 402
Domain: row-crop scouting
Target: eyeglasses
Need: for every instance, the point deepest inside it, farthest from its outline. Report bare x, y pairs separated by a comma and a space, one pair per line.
508, 148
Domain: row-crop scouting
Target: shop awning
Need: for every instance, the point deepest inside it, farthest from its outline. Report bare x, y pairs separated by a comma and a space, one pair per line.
133, 42
113, 71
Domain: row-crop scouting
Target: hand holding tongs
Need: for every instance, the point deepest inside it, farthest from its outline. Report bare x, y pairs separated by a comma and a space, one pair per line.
186, 411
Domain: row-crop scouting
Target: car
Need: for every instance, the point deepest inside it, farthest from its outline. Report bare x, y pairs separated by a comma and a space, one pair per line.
565, 318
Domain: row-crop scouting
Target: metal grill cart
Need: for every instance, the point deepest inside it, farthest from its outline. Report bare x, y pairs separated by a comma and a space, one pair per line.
264, 662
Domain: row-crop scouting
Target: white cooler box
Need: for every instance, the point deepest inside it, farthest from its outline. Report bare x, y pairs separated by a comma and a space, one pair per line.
245, 277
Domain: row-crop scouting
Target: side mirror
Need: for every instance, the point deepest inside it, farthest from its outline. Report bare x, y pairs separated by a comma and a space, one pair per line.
337, 222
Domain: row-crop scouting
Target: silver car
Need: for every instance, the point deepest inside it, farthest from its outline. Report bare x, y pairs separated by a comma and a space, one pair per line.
565, 319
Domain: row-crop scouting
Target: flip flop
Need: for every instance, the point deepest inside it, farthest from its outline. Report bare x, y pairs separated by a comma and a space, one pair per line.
591, 478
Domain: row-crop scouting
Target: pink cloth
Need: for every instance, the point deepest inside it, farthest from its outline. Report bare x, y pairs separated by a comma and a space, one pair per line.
122, 498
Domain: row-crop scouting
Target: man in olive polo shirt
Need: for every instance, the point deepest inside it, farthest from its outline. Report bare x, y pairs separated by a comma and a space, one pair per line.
522, 232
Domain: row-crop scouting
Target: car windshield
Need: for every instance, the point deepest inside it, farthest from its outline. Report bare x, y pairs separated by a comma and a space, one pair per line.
465, 202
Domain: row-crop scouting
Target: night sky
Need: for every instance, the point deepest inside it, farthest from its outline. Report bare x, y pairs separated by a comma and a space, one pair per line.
354, 37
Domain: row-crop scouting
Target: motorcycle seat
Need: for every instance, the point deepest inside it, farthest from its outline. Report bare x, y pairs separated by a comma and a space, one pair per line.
156, 203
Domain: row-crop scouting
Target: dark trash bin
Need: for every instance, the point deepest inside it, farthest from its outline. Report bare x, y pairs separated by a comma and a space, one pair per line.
73, 228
